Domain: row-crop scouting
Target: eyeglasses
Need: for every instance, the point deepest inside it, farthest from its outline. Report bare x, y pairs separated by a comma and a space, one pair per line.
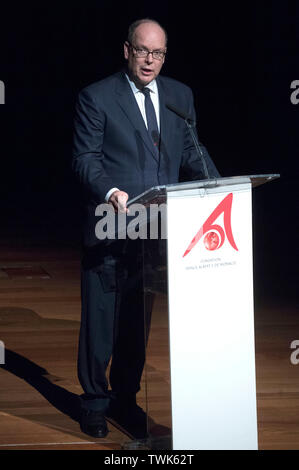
139, 52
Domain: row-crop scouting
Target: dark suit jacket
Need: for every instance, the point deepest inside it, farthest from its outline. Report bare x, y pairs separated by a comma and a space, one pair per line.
110, 138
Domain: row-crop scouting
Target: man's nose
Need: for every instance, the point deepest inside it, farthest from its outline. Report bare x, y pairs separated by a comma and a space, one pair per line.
149, 58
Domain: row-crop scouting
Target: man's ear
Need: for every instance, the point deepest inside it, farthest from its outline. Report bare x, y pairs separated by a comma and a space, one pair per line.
165, 55
126, 50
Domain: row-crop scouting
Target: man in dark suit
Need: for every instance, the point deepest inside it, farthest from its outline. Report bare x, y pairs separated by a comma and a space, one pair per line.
126, 140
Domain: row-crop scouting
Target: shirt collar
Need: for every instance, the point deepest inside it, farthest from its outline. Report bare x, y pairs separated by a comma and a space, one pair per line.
152, 86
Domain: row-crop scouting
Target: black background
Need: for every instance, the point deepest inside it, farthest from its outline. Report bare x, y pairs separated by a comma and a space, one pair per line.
238, 57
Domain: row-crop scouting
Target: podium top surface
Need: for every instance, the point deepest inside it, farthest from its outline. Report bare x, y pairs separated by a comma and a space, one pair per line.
157, 194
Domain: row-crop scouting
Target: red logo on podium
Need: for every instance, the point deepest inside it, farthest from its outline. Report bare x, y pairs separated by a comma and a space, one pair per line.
214, 234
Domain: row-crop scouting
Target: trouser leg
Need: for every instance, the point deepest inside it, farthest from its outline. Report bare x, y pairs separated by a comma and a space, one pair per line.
131, 329
113, 323
96, 337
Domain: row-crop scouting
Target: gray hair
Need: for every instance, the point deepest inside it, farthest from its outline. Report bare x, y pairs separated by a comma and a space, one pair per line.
134, 26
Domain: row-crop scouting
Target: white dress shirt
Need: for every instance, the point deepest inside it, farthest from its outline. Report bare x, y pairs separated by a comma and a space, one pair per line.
140, 98
152, 86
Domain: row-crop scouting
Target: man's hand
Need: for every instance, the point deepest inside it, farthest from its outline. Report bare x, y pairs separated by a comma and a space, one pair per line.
119, 201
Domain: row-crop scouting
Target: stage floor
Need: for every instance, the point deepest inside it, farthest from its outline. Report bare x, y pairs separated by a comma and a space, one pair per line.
39, 325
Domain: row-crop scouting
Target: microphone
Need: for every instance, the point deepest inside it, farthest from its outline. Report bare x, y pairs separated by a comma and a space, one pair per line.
191, 123
180, 113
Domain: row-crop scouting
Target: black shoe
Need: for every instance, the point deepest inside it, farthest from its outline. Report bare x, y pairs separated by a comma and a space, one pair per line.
129, 418
93, 423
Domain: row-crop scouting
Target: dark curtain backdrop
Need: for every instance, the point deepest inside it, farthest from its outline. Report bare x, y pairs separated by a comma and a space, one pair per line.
238, 57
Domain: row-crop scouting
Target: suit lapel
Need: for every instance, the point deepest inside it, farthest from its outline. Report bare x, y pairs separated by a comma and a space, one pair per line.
128, 104
167, 123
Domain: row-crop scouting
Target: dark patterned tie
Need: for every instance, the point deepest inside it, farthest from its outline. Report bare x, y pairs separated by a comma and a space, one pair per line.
151, 118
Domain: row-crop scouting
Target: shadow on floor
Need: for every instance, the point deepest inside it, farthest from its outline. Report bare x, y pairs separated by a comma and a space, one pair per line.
65, 401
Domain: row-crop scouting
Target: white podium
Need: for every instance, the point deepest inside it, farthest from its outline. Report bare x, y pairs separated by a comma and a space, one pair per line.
203, 266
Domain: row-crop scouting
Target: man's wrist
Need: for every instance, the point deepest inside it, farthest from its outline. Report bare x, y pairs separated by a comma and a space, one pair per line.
110, 192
